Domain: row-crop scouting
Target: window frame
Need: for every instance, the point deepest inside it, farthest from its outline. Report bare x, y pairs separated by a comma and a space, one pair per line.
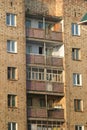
78, 105
12, 73
11, 46
76, 54
75, 29
11, 19
77, 79
77, 127
11, 126
12, 100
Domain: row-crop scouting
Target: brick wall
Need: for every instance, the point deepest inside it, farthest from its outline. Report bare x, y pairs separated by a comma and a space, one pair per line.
17, 87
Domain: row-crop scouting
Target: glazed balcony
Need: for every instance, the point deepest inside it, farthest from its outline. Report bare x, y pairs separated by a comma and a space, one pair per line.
40, 34
40, 59
56, 113
46, 87
37, 113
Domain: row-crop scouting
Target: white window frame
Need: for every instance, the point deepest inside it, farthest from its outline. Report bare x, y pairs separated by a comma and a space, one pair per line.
77, 79
75, 29
79, 127
11, 125
11, 46
11, 19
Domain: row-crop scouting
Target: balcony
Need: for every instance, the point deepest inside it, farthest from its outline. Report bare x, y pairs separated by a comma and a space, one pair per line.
40, 59
40, 34
41, 86
56, 113
37, 113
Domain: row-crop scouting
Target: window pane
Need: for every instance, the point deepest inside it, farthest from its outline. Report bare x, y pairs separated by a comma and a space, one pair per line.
72, 28
13, 100
13, 73
13, 126
9, 100
13, 46
12, 19
40, 25
8, 19
8, 45
9, 72
9, 126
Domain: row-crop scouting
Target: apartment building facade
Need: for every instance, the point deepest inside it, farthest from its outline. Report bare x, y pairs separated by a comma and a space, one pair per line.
43, 55
12, 65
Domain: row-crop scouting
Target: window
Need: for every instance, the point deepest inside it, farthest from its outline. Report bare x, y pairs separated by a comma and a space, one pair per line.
12, 126
28, 24
12, 73
79, 127
29, 100
35, 73
78, 105
42, 102
12, 101
29, 49
77, 79
75, 29
54, 75
11, 19
40, 25
40, 50
75, 53
11, 46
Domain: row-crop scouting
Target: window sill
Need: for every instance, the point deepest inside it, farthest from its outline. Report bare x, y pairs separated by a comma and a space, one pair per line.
11, 25
78, 111
76, 59
11, 52
12, 79
77, 85
12, 107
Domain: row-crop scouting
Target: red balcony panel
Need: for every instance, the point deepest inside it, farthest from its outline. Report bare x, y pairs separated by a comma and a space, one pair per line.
45, 87
35, 33
57, 61
34, 59
36, 85
56, 113
30, 59
38, 112
56, 36
54, 61
40, 33
58, 87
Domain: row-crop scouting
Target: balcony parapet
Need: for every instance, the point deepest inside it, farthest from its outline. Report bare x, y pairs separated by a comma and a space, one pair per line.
44, 113
41, 34
40, 59
56, 113
41, 86
37, 113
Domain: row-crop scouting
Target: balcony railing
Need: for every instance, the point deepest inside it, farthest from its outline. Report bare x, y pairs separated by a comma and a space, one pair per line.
40, 34
38, 112
44, 113
42, 86
56, 113
40, 59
